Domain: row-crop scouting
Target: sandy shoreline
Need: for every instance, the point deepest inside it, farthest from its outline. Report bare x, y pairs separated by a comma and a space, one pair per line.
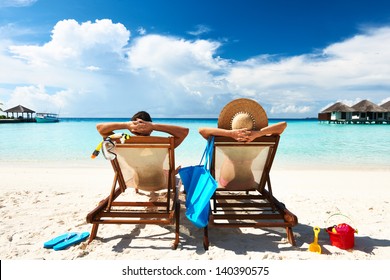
40, 202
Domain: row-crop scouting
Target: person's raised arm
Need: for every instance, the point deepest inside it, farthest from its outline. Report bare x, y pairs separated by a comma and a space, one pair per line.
237, 134
178, 132
107, 129
277, 128
243, 135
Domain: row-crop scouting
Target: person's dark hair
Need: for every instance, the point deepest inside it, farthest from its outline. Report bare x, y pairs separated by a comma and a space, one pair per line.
142, 115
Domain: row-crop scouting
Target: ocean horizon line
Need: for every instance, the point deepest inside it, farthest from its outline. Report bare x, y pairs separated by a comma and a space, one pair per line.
180, 118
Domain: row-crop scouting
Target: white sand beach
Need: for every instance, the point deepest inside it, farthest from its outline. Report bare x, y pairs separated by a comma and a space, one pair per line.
38, 203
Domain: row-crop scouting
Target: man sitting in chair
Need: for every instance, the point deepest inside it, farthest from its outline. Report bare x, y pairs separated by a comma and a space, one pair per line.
141, 124
141, 176
243, 120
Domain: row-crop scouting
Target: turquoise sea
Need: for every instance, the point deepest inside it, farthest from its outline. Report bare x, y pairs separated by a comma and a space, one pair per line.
305, 142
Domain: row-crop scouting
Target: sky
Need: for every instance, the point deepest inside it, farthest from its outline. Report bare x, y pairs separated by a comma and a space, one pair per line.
175, 58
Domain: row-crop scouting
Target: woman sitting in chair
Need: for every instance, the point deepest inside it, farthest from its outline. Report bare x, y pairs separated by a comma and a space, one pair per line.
243, 120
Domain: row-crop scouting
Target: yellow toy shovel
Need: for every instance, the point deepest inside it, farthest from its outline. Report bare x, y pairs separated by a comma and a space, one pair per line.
314, 247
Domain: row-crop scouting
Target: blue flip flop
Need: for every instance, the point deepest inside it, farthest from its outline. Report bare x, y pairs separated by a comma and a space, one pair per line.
79, 237
51, 243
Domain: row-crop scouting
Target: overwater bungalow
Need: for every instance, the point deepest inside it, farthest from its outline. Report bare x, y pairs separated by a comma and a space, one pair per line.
368, 112
386, 106
363, 112
337, 113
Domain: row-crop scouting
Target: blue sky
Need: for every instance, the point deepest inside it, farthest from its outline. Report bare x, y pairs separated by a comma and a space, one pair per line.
175, 58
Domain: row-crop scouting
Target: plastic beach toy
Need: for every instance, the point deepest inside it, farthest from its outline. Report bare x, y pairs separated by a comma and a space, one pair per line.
314, 247
342, 236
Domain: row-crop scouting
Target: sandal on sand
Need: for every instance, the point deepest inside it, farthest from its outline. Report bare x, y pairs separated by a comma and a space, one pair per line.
51, 243
77, 238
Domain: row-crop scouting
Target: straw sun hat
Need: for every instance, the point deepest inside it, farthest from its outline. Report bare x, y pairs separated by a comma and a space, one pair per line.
242, 113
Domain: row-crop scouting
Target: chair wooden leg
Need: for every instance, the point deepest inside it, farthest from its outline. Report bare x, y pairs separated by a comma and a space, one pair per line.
93, 232
290, 236
206, 238
177, 222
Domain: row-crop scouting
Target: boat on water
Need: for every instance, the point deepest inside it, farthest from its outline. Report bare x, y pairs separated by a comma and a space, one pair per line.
46, 117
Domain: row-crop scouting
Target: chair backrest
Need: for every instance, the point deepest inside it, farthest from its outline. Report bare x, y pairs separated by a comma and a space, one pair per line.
146, 162
243, 166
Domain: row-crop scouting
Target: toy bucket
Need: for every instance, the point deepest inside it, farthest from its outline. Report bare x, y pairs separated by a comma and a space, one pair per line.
342, 236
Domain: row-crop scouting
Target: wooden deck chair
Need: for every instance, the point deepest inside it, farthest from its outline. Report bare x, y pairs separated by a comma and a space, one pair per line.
244, 195
146, 163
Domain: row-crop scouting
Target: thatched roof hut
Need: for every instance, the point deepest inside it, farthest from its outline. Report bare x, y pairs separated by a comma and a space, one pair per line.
368, 106
338, 107
338, 112
369, 112
386, 106
20, 110
363, 112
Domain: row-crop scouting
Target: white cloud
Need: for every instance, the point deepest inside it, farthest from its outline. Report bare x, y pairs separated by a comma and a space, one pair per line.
384, 101
141, 31
173, 55
94, 69
38, 98
11, 30
181, 71
16, 3
80, 59
354, 68
200, 29
73, 43
285, 108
